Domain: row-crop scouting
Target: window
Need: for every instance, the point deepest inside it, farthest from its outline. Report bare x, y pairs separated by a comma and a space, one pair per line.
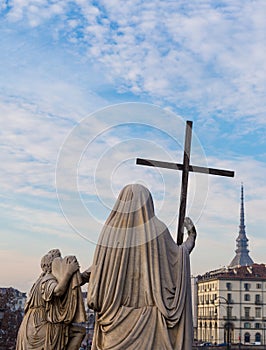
247, 297
229, 297
246, 286
247, 311
247, 325
247, 338
257, 337
201, 312
257, 325
257, 299
258, 312
258, 285
228, 286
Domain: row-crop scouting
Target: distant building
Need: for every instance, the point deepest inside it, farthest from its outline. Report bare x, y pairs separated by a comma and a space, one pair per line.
12, 303
231, 302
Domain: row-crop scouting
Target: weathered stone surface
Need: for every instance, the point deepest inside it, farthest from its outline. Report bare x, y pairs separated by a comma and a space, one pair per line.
140, 280
54, 302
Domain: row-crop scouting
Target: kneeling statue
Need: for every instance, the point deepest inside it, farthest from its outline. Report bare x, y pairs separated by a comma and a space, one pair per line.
54, 304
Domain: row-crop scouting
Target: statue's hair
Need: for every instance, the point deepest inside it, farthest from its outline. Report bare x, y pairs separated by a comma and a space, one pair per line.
47, 259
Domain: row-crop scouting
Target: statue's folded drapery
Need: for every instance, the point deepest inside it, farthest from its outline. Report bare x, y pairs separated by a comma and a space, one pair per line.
36, 332
140, 280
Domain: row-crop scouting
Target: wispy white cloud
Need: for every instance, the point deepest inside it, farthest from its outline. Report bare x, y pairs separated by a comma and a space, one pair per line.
204, 54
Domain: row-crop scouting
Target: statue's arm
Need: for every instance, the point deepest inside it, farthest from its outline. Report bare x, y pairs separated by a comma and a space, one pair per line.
70, 269
85, 276
192, 234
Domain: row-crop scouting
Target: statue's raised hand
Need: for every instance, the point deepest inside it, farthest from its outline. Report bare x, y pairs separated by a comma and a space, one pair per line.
192, 233
188, 223
71, 265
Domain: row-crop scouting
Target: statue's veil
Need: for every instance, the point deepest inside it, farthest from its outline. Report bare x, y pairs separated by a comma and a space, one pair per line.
140, 279
132, 221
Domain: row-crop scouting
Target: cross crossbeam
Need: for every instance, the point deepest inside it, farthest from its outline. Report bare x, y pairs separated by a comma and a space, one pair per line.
185, 167
177, 166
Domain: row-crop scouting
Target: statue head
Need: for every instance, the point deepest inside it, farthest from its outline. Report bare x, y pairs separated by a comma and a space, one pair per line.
132, 199
132, 220
47, 259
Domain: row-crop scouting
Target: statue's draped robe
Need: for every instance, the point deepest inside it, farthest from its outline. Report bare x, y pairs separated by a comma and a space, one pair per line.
47, 319
140, 280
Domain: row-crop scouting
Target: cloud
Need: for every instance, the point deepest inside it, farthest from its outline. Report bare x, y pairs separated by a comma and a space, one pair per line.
202, 54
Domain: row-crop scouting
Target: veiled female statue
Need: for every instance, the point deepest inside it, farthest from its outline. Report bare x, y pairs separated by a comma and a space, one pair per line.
140, 279
53, 304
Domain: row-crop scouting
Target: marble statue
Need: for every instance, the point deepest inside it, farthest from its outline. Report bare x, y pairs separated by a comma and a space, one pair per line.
54, 303
140, 279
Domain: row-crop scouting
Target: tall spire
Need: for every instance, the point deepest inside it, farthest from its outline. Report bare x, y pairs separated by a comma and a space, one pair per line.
242, 257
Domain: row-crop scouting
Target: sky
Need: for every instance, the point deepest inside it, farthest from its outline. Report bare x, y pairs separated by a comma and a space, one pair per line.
88, 86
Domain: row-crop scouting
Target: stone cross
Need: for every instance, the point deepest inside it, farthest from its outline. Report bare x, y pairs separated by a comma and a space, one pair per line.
185, 167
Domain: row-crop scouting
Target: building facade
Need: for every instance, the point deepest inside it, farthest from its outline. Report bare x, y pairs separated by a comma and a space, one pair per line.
231, 305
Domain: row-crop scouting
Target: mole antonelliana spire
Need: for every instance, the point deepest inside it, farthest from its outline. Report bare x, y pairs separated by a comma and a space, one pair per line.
242, 257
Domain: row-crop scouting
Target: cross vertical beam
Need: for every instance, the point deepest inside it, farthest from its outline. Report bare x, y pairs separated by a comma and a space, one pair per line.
184, 183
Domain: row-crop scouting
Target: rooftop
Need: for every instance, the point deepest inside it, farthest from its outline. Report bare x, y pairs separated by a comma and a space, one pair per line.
252, 272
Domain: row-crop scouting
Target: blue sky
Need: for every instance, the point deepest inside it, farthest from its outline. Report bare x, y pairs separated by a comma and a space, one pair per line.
66, 65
